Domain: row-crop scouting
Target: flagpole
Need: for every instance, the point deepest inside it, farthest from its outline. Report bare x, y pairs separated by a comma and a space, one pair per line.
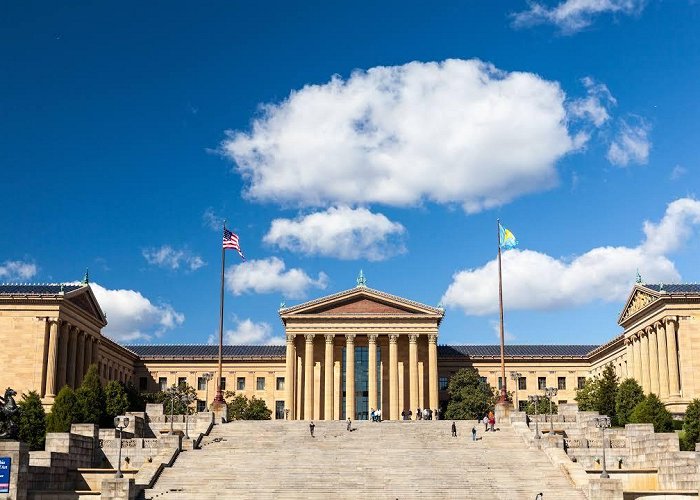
504, 393
219, 393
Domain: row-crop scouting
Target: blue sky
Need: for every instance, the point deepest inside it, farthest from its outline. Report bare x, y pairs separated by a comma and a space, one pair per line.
339, 136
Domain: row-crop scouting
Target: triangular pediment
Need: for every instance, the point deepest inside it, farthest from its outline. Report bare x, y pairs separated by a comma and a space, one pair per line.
84, 299
360, 301
639, 299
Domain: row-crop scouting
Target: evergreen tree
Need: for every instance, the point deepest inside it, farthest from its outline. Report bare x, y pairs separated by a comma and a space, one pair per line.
652, 411
588, 395
607, 393
691, 425
32, 421
116, 401
257, 410
470, 396
136, 400
91, 398
64, 411
629, 395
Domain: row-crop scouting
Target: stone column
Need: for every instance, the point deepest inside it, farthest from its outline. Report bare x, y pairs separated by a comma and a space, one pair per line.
350, 376
52, 359
646, 385
629, 351
309, 377
72, 359
328, 378
80, 358
653, 360
63, 355
289, 377
372, 367
393, 378
433, 371
674, 382
88, 352
663, 360
413, 372
637, 348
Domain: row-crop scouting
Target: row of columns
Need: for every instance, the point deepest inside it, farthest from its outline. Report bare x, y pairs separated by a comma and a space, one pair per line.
70, 353
308, 367
652, 354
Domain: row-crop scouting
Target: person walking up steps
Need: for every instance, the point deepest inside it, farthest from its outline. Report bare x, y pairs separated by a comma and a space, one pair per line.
485, 421
474, 433
311, 428
349, 425
454, 430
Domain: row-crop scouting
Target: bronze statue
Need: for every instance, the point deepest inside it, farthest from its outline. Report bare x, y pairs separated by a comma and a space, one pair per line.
8, 410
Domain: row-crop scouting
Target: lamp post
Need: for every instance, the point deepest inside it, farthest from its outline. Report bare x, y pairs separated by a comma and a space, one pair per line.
603, 423
515, 377
550, 392
535, 399
207, 377
120, 423
172, 394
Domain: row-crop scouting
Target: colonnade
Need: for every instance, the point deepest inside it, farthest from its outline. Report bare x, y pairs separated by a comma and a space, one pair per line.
310, 392
69, 355
652, 354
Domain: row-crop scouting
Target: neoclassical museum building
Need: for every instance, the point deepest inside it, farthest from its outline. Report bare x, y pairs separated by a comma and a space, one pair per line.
346, 353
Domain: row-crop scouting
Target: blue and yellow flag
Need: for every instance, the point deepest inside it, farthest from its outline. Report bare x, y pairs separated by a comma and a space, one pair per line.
507, 239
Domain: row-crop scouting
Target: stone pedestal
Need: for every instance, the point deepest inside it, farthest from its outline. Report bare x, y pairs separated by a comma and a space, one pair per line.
118, 489
605, 489
220, 412
502, 412
18, 453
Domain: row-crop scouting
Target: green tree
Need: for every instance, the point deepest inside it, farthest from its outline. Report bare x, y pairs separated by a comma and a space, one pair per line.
607, 393
470, 396
236, 407
652, 411
32, 421
116, 401
691, 426
182, 400
587, 396
136, 399
542, 407
629, 395
64, 411
91, 398
257, 410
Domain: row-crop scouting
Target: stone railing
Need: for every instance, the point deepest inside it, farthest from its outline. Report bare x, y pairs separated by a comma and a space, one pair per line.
594, 443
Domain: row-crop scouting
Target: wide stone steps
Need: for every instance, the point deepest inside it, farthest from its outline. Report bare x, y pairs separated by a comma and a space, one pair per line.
280, 460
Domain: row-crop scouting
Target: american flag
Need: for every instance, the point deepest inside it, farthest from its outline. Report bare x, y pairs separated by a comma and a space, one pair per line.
231, 241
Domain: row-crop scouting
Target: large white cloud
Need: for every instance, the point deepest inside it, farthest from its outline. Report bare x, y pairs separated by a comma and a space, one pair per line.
571, 16
533, 280
451, 132
269, 275
248, 332
340, 232
171, 258
15, 270
131, 316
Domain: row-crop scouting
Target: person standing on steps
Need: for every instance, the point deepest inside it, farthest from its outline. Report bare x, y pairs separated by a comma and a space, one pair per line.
454, 430
311, 428
474, 433
349, 424
485, 421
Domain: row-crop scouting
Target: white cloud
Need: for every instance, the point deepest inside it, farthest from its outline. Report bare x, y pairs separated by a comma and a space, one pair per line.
340, 232
496, 327
212, 220
533, 280
595, 106
171, 258
678, 172
450, 132
15, 270
269, 275
571, 16
248, 332
131, 316
631, 145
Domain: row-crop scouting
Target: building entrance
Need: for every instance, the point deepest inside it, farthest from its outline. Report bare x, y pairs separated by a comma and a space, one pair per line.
361, 383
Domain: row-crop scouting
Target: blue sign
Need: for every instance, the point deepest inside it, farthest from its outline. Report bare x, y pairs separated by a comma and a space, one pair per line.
5, 474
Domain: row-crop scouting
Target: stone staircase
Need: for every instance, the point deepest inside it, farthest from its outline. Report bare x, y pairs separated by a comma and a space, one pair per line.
388, 460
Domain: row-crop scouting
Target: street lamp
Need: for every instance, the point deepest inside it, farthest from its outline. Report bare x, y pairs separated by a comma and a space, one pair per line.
207, 377
172, 394
120, 423
550, 392
515, 377
535, 399
603, 423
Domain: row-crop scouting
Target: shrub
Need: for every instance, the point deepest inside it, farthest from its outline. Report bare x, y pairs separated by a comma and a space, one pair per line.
64, 411
629, 395
652, 411
91, 398
32, 421
691, 425
116, 401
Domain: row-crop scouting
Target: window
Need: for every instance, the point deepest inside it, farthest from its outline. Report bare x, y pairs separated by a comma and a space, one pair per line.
223, 383
200, 405
260, 384
163, 383
581, 381
522, 405
201, 384
280, 383
143, 383
442, 383
181, 381
500, 383
522, 383
561, 383
541, 383
240, 384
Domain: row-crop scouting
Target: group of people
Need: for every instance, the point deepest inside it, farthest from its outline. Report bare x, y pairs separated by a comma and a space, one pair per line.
375, 415
424, 414
489, 422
